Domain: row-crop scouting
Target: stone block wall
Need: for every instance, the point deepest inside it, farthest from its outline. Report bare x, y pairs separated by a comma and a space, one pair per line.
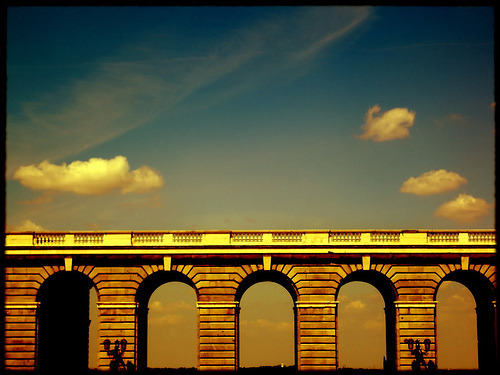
407, 283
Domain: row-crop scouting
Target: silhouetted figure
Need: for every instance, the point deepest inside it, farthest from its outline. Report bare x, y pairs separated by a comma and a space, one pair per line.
419, 357
117, 354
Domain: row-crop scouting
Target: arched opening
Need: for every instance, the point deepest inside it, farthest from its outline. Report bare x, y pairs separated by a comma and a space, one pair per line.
366, 319
172, 327
63, 323
361, 332
456, 327
166, 322
484, 296
267, 320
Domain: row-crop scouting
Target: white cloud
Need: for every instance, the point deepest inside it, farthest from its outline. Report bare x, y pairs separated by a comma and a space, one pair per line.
95, 176
433, 182
464, 209
27, 226
356, 305
387, 126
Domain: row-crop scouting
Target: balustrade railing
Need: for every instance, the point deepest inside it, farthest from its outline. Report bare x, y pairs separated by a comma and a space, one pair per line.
147, 238
344, 236
443, 236
247, 237
89, 238
254, 238
482, 237
385, 236
287, 237
48, 239
187, 237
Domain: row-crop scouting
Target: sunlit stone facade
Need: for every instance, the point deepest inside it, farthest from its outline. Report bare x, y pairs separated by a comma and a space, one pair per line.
43, 269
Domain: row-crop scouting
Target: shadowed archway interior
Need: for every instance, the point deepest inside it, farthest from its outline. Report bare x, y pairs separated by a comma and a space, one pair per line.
63, 323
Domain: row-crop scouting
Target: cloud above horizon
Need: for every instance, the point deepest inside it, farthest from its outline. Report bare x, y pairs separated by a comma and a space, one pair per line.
355, 305
27, 226
433, 182
130, 89
387, 126
253, 326
93, 177
464, 209
169, 313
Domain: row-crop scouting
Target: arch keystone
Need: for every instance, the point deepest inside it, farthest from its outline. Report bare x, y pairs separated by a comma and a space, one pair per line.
366, 262
464, 262
266, 259
68, 264
167, 263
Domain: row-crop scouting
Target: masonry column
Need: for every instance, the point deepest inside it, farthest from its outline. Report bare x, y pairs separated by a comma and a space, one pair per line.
218, 333
316, 336
20, 335
415, 320
117, 321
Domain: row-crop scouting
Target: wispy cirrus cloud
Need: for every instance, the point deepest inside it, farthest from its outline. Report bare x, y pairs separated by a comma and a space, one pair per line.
124, 93
92, 177
464, 209
386, 126
433, 182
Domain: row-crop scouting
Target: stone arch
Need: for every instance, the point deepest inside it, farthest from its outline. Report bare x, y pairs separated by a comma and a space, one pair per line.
63, 322
143, 294
389, 293
483, 291
269, 276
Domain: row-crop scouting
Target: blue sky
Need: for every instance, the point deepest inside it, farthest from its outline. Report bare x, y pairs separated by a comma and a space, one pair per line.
180, 118
248, 118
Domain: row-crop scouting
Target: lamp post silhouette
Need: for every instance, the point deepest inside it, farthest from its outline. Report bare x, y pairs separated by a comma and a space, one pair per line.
116, 353
416, 350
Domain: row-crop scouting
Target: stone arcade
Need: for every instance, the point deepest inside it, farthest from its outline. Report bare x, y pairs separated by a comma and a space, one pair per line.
49, 275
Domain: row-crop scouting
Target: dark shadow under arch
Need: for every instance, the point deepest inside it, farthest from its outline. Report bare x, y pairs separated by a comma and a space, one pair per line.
386, 288
484, 296
63, 323
144, 292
